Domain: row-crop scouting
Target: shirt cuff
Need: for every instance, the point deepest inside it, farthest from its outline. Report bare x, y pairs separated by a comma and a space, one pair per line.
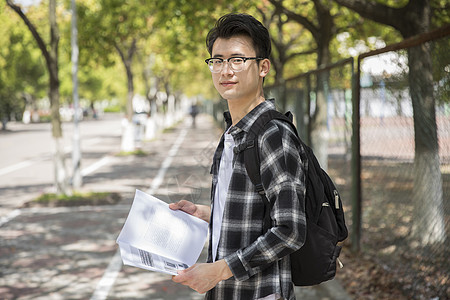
237, 267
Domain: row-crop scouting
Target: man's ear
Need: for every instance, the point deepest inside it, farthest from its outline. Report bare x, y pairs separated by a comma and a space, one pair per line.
264, 67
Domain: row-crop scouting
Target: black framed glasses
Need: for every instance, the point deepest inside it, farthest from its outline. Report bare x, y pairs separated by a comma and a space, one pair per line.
236, 64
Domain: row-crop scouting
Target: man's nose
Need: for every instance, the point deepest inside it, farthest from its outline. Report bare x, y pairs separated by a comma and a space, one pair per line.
226, 69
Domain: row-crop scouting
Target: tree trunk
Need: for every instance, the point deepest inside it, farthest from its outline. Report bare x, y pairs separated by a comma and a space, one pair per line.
128, 130
51, 58
59, 160
428, 220
322, 34
412, 19
150, 95
128, 135
319, 128
320, 132
77, 177
130, 93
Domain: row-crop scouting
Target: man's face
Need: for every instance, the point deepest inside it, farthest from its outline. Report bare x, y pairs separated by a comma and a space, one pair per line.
244, 85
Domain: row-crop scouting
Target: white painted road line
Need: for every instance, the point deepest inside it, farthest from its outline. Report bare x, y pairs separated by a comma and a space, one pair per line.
95, 166
16, 167
166, 163
9, 217
86, 171
29, 162
109, 277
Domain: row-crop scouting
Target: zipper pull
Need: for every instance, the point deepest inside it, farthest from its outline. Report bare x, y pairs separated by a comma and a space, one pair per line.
336, 199
341, 265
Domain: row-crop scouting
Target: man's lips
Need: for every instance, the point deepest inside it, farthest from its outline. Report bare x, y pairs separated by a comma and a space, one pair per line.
227, 83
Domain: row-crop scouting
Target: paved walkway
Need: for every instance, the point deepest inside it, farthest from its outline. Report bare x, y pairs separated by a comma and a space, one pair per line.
70, 253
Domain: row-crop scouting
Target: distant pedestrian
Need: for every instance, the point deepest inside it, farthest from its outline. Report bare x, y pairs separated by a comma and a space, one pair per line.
193, 111
244, 262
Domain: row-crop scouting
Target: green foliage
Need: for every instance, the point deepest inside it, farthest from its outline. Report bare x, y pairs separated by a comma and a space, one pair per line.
113, 109
440, 12
293, 47
22, 69
441, 70
137, 152
173, 34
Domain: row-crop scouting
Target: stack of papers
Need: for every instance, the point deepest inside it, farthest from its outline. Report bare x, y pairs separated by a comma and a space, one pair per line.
156, 238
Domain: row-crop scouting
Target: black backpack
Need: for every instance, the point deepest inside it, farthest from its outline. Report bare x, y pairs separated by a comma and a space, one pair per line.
315, 261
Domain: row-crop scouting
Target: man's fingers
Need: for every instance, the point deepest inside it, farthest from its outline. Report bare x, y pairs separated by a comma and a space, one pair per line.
174, 206
182, 275
184, 205
177, 278
178, 205
180, 278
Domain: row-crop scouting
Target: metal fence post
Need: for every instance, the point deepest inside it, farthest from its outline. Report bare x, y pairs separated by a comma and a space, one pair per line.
356, 158
308, 109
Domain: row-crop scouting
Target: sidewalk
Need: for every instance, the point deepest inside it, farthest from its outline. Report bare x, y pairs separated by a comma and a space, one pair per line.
62, 253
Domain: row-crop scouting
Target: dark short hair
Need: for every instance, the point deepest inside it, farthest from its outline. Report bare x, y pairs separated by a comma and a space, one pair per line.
241, 24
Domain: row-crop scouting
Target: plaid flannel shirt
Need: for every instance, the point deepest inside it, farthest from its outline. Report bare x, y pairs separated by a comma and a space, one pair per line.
260, 261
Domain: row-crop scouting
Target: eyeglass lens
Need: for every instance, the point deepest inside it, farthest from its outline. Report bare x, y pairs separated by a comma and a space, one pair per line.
216, 64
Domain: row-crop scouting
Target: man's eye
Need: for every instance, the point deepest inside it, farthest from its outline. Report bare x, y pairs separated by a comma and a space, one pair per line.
237, 60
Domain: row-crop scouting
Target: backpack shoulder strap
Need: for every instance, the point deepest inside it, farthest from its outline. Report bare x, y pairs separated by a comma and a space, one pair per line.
251, 155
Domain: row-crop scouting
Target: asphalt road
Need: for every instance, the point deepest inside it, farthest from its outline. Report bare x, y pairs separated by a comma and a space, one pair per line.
26, 166
70, 253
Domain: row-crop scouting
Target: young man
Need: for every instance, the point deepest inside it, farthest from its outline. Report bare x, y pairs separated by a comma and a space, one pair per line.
244, 262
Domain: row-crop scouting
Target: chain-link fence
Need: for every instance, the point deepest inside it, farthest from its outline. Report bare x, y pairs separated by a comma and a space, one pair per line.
405, 171
400, 215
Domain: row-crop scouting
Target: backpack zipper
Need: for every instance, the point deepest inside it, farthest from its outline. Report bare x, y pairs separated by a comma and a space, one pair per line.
336, 199
341, 265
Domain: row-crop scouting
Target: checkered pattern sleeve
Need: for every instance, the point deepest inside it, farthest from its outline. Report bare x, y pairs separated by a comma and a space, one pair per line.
283, 177
260, 260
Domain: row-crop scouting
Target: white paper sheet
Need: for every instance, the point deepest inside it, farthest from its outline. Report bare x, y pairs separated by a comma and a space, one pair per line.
156, 238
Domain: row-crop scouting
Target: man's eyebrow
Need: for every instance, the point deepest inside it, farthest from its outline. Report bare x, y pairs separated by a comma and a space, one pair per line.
232, 55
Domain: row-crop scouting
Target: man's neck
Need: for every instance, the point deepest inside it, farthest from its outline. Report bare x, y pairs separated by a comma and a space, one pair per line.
239, 109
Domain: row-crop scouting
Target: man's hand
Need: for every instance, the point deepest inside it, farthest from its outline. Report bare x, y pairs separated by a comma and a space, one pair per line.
200, 211
203, 277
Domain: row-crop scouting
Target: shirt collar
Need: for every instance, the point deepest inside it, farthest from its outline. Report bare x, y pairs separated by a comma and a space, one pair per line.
227, 117
247, 121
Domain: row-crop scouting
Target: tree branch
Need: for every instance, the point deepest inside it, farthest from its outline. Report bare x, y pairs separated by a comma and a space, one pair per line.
121, 54
33, 30
307, 52
375, 11
132, 49
296, 18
